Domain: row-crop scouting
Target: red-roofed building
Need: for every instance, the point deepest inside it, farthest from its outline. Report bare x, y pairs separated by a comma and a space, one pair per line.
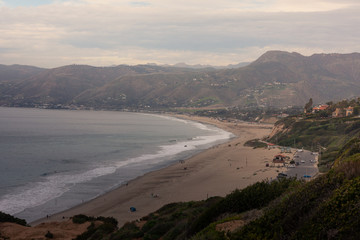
279, 158
320, 108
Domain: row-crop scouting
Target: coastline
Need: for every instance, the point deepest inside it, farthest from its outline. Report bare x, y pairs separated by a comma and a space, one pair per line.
216, 171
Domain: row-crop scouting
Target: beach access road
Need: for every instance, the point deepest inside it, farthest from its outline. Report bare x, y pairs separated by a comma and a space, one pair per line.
307, 165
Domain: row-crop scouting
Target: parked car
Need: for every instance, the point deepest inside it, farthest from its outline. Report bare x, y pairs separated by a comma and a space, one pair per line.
282, 175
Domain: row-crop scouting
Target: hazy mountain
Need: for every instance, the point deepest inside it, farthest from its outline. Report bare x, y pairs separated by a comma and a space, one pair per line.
275, 79
17, 72
200, 66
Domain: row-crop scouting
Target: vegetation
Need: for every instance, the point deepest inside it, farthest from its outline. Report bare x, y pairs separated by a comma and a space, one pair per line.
319, 132
249, 114
255, 143
96, 231
49, 235
325, 208
191, 219
8, 218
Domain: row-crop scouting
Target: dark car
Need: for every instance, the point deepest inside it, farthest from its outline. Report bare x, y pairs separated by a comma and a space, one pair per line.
282, 175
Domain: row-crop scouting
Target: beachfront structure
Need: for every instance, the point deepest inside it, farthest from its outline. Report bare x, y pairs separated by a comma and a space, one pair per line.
279, 158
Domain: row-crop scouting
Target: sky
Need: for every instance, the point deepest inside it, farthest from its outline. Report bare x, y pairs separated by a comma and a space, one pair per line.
53, 33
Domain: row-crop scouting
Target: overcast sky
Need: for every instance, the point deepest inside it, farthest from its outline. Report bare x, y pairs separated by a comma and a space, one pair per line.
52, 33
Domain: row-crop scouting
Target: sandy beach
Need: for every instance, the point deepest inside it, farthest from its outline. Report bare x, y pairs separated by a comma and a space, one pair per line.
214, 172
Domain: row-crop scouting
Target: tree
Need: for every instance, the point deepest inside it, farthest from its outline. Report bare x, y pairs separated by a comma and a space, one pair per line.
308, 106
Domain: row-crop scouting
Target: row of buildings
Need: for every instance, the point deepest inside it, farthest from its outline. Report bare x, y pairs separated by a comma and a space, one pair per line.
339, 112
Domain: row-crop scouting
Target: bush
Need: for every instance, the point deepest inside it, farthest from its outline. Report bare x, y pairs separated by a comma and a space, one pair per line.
255, 143
4, 217
49, 235
81, 218
127, 232
255, 196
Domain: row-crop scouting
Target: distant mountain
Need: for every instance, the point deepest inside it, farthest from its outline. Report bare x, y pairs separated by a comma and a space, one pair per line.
276, 79
17, 72
200, 66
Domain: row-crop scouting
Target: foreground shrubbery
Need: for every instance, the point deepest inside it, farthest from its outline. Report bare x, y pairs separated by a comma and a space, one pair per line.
8, 218
257, 195
99, 231
184, 220
326, 208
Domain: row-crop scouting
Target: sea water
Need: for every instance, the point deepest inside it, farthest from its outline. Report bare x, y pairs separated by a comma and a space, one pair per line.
52, 160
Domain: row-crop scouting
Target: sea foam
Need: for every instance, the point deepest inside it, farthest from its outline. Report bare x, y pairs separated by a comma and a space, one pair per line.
52, 186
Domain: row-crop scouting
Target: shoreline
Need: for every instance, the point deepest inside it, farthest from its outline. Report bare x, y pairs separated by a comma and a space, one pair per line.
216, 171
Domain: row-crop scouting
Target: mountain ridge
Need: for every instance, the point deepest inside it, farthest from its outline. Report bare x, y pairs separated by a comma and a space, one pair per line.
275, 79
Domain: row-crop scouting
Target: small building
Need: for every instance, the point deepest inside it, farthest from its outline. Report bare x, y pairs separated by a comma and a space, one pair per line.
271, 146
338, 113
349, 111
279, 158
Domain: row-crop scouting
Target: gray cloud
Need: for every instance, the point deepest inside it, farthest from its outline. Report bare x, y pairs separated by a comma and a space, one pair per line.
109, 32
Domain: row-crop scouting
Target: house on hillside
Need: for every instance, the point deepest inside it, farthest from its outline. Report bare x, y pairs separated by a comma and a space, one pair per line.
319, 108
342, 112
349, 111
339, 112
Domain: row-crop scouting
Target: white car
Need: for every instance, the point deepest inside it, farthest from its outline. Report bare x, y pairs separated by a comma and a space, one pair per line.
302, 161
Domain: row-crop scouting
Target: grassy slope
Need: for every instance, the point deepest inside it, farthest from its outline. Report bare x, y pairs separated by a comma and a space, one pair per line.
311, 133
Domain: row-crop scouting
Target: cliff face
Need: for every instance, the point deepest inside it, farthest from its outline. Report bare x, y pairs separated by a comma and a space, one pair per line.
280, 128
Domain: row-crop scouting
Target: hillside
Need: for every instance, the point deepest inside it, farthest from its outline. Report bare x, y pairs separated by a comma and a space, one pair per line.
276, 79
319, 132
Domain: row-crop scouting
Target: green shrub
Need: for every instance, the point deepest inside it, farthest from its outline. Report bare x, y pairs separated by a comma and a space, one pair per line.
81, 218
255, 196
127, 232
4, 217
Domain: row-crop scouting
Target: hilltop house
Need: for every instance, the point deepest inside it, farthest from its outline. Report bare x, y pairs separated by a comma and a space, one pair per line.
321, 107
342, 112
339, 112
349, 111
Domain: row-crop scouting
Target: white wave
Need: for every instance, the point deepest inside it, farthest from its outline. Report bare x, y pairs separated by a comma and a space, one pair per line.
178, 147
53, 186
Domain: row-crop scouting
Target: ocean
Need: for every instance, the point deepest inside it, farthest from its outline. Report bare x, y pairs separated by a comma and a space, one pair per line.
52, 160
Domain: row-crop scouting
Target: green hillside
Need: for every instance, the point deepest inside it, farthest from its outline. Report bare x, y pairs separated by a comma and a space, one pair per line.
319, 132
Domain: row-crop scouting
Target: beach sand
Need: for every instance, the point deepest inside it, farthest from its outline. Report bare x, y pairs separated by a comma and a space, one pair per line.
214, 172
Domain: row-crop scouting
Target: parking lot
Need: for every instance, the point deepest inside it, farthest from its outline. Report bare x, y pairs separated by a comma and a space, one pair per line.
306, 165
